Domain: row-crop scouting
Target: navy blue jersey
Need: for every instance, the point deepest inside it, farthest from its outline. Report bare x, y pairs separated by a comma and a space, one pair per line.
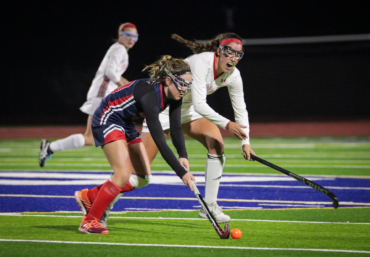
121, 104
115, 118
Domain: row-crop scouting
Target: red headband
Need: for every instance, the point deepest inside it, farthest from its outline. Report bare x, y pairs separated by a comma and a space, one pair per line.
130, 25
225, 41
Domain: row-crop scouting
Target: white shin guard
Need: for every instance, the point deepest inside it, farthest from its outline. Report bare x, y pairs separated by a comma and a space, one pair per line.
214, 167
71, 142
136, 181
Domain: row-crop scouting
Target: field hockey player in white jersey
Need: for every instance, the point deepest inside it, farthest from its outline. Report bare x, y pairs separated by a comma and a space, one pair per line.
107, 78
213, 66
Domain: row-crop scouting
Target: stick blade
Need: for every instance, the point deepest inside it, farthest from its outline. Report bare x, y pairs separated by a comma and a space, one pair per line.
226, 233
335, 203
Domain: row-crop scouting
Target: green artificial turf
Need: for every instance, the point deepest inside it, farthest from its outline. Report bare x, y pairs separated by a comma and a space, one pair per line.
166, 236
337, 230
305, 156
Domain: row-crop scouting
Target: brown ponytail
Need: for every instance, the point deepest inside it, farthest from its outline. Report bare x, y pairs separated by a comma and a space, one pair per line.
211, 46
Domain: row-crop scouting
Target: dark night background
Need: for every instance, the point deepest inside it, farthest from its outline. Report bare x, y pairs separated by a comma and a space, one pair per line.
52, 49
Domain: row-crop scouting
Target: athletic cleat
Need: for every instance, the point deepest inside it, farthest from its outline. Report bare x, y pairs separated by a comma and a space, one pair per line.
83, 201
45, 152
92, 227
217, 213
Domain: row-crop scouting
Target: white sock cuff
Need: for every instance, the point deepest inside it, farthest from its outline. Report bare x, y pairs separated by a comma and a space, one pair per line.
220, 157
138, 181
72, 142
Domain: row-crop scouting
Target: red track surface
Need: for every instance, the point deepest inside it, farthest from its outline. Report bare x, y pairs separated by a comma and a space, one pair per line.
286, 129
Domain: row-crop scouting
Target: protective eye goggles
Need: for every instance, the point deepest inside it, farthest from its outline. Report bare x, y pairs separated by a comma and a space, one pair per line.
181, 84
230, 52
128, 35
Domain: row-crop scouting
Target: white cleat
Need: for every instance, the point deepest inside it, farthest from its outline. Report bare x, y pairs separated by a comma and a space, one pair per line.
45, 152
104, 218
216, 212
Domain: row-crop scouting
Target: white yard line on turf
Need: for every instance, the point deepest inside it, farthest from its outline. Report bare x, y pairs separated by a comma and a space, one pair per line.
282, 161
188, 246
97, 182
194, 172
191, 199
304, 187
200, 219
194, 165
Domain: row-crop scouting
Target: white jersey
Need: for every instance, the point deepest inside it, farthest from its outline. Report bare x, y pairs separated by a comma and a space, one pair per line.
114, 64
205, 83
194, 105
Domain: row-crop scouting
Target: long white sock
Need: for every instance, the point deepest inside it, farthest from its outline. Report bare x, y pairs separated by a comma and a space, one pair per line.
214, 167
71, 142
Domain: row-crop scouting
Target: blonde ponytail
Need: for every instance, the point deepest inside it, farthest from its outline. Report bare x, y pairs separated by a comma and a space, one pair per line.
173, 65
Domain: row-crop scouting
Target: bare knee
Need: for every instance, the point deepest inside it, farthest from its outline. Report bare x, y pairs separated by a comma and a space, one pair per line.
120, 178
89, 139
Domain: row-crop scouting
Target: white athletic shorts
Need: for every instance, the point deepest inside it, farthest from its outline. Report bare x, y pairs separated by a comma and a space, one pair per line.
91, 105
187, 114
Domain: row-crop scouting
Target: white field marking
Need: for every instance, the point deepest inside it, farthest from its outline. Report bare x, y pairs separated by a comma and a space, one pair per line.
188, 246
50, 182
274, 146
52, 175
80, 179
280, 161
347, 159
15, 214
300, 146
82, 159
365, 156
157, 179
359, 155
15, 149
250, 166
194, 172
236, 207
232, 207
303, 187
291, 205
191, 199
100, 158
58, 164
202, 172
151, 209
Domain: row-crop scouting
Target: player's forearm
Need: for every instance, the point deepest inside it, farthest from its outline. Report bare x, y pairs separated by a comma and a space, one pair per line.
207, 112
122, 81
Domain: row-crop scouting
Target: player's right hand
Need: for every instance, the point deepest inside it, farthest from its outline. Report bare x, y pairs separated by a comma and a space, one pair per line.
237, 130
187, 178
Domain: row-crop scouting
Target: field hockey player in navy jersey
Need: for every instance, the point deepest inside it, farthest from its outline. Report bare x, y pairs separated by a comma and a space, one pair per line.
113, 126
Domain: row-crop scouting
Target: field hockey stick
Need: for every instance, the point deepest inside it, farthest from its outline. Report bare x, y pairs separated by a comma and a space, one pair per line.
222, 234
301, 179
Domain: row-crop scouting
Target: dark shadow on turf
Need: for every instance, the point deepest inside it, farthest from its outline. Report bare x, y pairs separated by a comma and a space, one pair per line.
147, 222
60, 227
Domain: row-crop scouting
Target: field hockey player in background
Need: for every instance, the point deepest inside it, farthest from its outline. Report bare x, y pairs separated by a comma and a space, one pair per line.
113, 126
213, 66
107, 78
